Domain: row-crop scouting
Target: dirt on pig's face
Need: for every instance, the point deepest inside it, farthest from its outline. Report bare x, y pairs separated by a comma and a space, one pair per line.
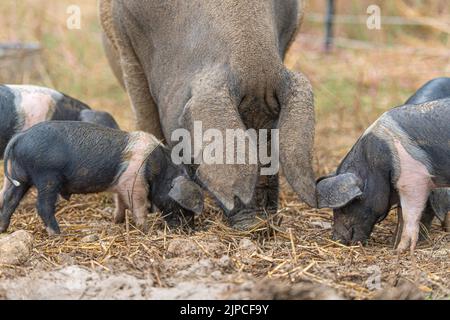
354, 222
172, 191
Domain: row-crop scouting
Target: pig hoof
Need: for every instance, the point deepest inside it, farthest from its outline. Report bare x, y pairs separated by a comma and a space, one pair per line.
446, 223
143, 227
243, 222
180, 221
118, 219
52, 232
3, 227
403, 246
424, 236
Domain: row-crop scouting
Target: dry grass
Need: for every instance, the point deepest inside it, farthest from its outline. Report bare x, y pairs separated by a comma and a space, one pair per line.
352, 87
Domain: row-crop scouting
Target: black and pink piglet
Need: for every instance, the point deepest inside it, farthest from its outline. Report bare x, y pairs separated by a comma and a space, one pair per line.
23, 106
67, 157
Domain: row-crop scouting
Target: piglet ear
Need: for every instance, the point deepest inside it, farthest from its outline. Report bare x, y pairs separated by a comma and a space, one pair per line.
440, 202
337, 191
187, 194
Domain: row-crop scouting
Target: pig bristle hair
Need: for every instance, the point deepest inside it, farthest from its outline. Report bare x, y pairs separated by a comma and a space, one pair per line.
387, 129
134, 137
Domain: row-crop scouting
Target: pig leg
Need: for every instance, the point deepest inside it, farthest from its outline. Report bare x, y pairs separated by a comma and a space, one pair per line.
46, 204
399, 227
12, 197
414, 186
446, 223
427, 219
413, 200
138, 204
144, 107
425, 222
6, 185
119, 213
140, 210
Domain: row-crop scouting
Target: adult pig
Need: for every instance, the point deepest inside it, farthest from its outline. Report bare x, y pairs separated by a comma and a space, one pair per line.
218, 62
402, 157
23, 106
65, 158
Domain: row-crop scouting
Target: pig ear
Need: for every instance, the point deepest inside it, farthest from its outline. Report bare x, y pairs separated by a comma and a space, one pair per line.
440, 202
187, 194
337, 191
212, 107
296, 125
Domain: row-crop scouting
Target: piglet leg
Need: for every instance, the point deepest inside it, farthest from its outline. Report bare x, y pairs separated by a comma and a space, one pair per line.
413, 199
6, 185
446, 223
139, 208
48, 190
426, 221
414, 186
399, 227
13, 195
119, 213
138, 204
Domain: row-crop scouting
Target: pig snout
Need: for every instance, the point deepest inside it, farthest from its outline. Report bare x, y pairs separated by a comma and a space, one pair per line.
183, 219
350, 231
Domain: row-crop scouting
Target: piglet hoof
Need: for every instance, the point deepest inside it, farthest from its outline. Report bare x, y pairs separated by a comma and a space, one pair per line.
446, 223
118, 219
406, 244
143, 227
53, 231
3, 228
4, 225
403, 246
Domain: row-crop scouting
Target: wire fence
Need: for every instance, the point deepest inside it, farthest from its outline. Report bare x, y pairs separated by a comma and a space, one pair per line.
386, 20
330, 19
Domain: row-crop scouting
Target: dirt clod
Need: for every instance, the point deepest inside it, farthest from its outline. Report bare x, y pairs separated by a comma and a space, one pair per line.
183, 247
247, 247
280, 290
405, 290
90, 238
15, 248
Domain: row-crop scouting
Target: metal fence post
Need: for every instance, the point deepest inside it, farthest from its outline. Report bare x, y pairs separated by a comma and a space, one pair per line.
329, 24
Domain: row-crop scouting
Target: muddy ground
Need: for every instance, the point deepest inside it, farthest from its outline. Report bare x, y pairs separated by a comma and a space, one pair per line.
287, 257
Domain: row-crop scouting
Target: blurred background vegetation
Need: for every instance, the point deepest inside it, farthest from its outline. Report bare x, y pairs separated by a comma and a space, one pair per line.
367, 72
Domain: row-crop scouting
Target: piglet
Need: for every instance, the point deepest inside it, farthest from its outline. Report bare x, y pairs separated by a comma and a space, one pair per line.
435, 89
402, 157
21, 107
65, 158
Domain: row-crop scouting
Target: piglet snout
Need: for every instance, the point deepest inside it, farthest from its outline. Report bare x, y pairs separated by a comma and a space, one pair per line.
342, 234
349, 235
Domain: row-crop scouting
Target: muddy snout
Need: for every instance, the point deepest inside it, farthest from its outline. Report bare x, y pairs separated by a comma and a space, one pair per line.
350, 233
181, 219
